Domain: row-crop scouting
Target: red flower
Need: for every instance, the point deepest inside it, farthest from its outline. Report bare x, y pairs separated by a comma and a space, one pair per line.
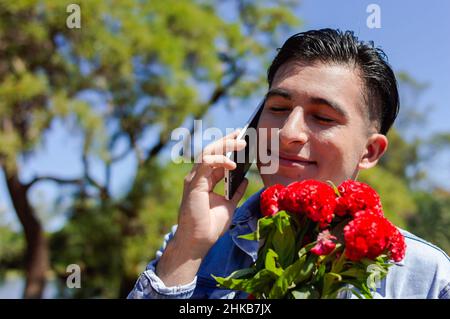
325, 244
369, 235
270, 200
313, 198
397, 246
357, 196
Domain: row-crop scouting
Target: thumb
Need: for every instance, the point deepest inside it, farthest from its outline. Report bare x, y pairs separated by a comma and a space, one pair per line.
239, 192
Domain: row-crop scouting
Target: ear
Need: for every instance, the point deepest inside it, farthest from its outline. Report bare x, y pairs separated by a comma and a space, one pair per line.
376, 146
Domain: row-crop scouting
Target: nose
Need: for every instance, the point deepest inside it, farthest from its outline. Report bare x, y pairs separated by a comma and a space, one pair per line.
294, 129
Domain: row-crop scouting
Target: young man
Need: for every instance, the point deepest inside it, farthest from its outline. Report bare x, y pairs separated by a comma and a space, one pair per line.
333, 100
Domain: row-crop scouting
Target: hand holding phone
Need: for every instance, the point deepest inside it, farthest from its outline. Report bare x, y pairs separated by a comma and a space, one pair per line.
243, 158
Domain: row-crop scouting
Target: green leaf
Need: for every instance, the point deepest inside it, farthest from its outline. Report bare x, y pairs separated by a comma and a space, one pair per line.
243, 273
364, 291
356, 292
237, 279
300, 271
284, 242
271, 263
264, 226
354, 273
307, 269
251, 236
332, 283
230, 283
321, 271
282, 220
306, 249
305, 292
287, 279
260, 262
259, 285
338, 264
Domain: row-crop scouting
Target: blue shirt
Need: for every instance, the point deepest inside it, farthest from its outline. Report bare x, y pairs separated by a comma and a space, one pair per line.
424, 272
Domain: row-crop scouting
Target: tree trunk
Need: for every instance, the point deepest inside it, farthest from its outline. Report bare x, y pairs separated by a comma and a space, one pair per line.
36, 256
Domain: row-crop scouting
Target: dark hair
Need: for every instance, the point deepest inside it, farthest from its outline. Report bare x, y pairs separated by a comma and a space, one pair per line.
335, 46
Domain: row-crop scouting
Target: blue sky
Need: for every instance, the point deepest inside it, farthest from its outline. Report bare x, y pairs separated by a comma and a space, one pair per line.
414, 34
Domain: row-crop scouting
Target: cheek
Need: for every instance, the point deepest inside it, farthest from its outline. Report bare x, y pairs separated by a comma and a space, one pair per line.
340, 155
337, 151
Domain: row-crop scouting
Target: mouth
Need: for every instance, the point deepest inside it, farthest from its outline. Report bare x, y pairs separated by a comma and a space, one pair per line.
294, 161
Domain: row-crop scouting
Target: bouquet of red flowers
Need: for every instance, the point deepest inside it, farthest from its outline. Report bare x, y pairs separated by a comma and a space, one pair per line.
318, 240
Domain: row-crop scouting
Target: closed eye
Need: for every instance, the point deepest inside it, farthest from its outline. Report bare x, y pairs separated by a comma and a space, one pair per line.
278, 109
323, 119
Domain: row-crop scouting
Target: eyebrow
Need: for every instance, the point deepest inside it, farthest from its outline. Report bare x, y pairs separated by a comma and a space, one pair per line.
279, 92
335, 106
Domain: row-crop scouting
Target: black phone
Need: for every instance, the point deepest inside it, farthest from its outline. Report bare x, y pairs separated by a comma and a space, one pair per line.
245, 157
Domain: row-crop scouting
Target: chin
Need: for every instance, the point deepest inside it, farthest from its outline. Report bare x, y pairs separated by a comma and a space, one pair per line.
270, 180
286, 176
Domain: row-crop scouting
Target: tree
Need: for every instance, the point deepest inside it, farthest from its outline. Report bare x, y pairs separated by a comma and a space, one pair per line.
152, 64
432, 221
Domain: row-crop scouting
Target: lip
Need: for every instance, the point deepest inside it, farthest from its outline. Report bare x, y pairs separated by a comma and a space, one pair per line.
294, 161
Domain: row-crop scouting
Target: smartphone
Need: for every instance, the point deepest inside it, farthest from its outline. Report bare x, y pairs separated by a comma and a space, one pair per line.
243, 158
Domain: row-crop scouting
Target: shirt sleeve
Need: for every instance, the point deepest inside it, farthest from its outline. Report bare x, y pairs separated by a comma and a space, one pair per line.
150, 286
445, 292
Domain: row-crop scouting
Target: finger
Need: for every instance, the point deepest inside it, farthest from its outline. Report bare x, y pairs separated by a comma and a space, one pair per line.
213, 148
239, 192
207, 167
221, 146
213, 161
232, 135
224, 146
188, 178
217, 175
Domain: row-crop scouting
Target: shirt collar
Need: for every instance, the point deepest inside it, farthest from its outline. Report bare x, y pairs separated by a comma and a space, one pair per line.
245, 221
249, 210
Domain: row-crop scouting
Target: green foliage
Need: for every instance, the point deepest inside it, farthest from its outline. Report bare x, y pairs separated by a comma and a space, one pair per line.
11, 250
396, 197
432, 220
400, 155
158, 191
92, 240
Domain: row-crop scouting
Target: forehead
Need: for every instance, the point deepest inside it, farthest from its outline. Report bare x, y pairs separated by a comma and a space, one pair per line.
340, 83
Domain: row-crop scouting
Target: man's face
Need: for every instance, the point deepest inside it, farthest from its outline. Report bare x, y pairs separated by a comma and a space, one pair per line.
323, 127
